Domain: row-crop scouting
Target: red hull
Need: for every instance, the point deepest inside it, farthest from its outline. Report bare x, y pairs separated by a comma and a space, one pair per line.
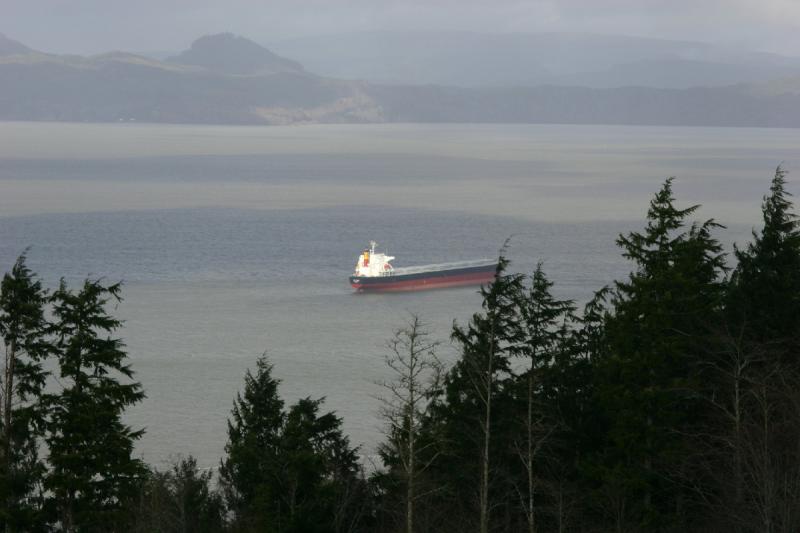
439, 282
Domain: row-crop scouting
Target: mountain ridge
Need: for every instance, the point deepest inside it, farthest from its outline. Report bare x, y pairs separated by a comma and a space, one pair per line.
227, 53
470, 59
9, 46
264, 88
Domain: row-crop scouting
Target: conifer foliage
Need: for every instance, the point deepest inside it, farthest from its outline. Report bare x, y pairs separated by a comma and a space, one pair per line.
478, 386
657, 321
765, 286
289, 471
544, 322
92, 471
23, 329
248, 474
672, 403
182, 499
756, 476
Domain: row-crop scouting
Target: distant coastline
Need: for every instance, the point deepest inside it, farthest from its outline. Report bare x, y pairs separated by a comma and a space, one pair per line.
224, 79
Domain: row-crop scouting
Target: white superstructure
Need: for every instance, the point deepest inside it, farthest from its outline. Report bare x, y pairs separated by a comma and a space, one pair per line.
371, 263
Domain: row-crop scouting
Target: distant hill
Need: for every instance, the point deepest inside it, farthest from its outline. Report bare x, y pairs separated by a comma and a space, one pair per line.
10, 47
677, 74
741, 105
209, 88
229, 80
782, 88
468, 59
229, 54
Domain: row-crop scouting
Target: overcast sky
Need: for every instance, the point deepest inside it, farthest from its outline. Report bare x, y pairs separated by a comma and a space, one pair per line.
91, 26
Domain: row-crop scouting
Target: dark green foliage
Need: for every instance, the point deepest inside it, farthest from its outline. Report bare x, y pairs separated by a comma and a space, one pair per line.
247, 473
179, 500
289, 471
765, 286
475, 408
320, 471
592, 428
543, 393
23, 329
542, 320
672, 404
649, 375
91, 468
751, 456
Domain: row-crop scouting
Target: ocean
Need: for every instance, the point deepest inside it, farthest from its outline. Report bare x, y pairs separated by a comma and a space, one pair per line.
237, 241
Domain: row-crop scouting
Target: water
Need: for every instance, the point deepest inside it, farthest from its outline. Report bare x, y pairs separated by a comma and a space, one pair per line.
233, 241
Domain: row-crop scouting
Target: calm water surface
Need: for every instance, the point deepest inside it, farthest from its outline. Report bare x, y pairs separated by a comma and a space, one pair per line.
233, 241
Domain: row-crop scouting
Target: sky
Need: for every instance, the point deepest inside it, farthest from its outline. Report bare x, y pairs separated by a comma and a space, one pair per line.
94, 26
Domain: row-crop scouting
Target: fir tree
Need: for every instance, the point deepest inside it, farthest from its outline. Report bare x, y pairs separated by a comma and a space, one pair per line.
764, 295
179, 500
91, 469
543, 321
319, 472
24, 331
753, 457
248, 474
480, 382
288, 471
649, 376
198, 507
591, 336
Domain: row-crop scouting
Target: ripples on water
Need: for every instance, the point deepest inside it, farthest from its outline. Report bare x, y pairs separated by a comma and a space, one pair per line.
247, 248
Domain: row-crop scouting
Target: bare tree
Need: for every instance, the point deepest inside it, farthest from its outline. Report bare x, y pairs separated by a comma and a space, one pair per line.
732, 371
753, 443
417, 373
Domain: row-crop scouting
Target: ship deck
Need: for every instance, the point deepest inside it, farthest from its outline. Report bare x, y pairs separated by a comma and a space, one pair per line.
440, 267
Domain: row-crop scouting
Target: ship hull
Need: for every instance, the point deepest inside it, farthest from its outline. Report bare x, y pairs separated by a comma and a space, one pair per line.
425, 280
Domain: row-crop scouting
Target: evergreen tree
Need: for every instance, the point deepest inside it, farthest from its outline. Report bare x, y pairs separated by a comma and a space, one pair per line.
543, 335
764, 294
572, 384
248, 474
320, 481
91, 469
199, 508
478, 390
649, 376
289, 471
24, 331
591, 336
179, 500
752, 456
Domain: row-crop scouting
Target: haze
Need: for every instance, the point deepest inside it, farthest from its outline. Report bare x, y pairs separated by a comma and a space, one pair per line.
94, 26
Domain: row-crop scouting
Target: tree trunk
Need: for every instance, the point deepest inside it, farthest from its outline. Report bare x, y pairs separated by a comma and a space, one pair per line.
484, 494
531, 518
737, 446
11, 356
411, 467
484, 490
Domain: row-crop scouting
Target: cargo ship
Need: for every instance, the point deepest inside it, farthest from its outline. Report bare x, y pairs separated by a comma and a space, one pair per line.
374, 272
